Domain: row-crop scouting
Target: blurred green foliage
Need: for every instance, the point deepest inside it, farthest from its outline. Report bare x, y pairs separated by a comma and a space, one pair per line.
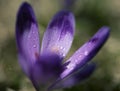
90, 16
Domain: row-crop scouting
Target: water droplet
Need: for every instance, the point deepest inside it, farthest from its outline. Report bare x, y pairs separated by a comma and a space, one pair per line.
61, 48
86, 53
71, 66
76, 61
34, 46
63, 54
80, 55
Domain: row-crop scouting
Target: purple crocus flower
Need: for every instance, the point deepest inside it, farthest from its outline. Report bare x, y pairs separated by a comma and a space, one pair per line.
45, 66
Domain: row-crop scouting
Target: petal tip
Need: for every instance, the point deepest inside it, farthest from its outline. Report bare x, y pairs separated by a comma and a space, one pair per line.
63, 20
25, 4
102, 34
105, 29
25, 17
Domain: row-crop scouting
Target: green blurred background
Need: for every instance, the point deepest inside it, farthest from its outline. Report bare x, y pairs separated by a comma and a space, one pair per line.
90, 16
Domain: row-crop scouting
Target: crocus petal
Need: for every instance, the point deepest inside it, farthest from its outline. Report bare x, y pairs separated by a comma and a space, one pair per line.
27, 33
27, 68
86, 52
59, 34
46, 69
75, 78
24, 64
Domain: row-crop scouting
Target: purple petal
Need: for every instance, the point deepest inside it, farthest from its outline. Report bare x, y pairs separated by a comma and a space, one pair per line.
27, 36
24, 64
59, 34
75, 78
46, 69
86, 52
27, 68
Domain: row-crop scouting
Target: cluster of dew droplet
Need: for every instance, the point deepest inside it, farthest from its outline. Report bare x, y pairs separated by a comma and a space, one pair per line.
34, 36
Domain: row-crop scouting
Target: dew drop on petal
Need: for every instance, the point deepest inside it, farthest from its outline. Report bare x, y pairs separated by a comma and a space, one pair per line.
63, 55
76, 61
86, 53
80, 55
71, 66
34, 46
61, 48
